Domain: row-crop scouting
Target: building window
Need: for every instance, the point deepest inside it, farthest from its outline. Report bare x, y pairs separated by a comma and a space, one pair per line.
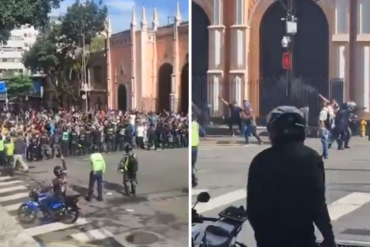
364, 16
98, 74
239, 10
341, 16
216, 12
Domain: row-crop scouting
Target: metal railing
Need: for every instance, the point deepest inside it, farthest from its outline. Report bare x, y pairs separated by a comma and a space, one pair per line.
266, 93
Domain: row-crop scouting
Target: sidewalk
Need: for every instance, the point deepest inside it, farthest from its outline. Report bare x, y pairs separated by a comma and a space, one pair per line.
12, 234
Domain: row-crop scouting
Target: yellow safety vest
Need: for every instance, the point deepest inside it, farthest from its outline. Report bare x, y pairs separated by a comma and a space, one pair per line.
194, 134
2, 146
9, 148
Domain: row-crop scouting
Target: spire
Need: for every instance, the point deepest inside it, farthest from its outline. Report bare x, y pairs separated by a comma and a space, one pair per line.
143, 18
108, 26
178, 13
133, 18
155, 19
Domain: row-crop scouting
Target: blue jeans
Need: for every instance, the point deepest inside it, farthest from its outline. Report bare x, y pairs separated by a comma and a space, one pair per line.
194, 156
324, 135
202, 131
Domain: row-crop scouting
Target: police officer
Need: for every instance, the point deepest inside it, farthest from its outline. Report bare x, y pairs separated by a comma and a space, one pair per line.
9, 152
109, 140
56, 144
194, 149
96, 175
65, 142
74, 140
286, 187
82, 142
2, 151
44, 145
128, 166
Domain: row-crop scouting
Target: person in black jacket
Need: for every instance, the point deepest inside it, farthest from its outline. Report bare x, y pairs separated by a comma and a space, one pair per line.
286, 187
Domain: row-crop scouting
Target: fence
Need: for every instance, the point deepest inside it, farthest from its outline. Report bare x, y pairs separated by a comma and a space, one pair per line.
267, 93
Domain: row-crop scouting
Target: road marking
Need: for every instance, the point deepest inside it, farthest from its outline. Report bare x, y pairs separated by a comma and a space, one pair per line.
222, 200
12, 207
5, 178
347, 204
95, 234
13, 197
56, 226
10, 182
195, 192
20, 187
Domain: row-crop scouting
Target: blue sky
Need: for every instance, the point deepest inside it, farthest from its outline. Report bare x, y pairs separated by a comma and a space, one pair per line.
120, 11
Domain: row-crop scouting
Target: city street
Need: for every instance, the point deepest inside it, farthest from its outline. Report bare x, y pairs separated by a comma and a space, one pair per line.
157, 216
223, 171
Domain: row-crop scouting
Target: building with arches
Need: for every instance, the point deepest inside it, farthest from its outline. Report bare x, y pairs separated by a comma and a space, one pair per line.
148, 66
239, 42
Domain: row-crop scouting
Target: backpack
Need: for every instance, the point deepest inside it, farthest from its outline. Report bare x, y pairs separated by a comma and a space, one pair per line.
329, 120
134, 164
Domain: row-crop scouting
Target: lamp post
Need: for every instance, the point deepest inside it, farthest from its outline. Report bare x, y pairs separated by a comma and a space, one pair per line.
287, 44
86, 89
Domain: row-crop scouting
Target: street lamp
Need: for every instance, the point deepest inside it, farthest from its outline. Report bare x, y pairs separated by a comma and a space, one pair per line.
86, 88
287, 44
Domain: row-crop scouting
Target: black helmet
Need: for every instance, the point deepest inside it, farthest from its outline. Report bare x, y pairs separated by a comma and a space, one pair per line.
58, 171
128, 147
286, 124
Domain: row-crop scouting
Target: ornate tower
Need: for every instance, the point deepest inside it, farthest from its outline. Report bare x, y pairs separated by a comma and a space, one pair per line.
142, 56
133, 60
110, 82
155, 24
175, 78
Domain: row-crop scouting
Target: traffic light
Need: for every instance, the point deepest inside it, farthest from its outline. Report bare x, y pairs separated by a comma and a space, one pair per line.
286, 61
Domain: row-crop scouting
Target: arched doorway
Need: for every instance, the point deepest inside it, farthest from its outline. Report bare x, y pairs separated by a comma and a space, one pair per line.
122, 97
310, 57
185, 88
199, 64
164, 87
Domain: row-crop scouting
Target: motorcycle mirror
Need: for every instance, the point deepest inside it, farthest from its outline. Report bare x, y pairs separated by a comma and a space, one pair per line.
203, 197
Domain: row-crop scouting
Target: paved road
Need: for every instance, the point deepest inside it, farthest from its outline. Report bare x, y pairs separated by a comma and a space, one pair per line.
222, 171
159, 213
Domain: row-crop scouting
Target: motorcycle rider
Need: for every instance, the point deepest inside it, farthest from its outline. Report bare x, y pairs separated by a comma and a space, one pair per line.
286, 187
128, 166
58, 186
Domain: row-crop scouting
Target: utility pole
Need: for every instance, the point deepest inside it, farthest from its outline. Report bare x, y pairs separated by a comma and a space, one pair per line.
287, 43
353, 17
85, 84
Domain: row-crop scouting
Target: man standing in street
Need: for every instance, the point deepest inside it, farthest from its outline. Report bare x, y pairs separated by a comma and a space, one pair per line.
194, 149
96, 175
20, 147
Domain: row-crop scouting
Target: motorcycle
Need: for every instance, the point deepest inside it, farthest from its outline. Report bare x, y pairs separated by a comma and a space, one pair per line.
66, 212
226, 227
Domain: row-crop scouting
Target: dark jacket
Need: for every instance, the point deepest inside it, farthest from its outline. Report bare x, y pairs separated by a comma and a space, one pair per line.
19, 146
286, 196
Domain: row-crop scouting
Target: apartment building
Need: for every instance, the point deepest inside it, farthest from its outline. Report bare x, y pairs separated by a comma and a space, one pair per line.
11, 53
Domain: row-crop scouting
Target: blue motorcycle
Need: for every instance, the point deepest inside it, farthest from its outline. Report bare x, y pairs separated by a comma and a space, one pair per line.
66, 212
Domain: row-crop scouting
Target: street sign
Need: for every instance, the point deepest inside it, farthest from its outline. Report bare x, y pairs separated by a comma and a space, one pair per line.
286, 61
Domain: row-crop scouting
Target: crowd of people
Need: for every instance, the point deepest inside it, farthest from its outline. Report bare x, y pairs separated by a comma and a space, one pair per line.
43, 135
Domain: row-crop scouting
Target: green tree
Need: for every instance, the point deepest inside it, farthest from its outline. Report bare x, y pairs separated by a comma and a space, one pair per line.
97, 44
82, 22
20, 12
19, 86
58, 51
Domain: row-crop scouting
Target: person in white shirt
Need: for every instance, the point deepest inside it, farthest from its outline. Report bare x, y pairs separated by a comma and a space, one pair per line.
140, 131
324, 128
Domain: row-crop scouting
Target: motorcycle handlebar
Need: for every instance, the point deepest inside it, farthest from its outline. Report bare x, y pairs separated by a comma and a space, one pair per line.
201, 219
